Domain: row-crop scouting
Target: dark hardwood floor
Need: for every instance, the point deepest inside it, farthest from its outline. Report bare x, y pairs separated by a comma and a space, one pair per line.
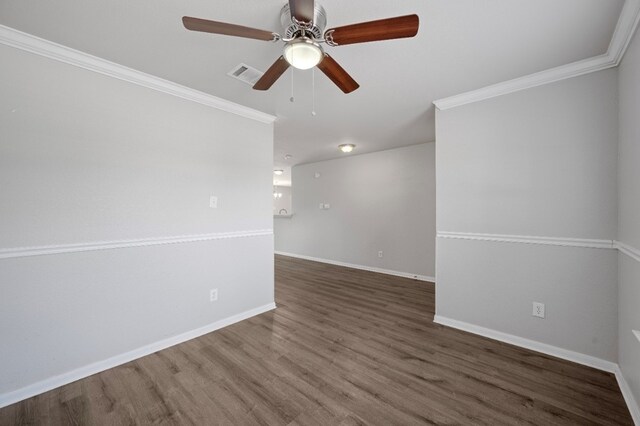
344, 347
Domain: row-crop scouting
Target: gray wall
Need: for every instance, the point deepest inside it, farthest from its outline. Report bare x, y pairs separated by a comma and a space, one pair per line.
540, 162
629, 214
383, 201
86, 158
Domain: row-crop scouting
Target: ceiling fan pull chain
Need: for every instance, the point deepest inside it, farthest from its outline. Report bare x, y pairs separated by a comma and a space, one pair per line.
313, 92
291, 98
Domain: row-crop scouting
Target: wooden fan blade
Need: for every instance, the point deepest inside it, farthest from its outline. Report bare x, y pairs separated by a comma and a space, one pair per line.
337, 74
205, 26
383, 29
272, 75
302, 10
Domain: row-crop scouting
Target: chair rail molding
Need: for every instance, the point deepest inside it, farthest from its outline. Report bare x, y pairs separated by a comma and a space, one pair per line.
10, 253
632, 252
526, 239
39, 46
627, 22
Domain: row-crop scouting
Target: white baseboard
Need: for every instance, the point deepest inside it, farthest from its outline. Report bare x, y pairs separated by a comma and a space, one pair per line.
544, 348
82, 372
590, 361
634, 409
362, 267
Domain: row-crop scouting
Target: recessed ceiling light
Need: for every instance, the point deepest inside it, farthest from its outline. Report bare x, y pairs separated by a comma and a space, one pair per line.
278, 172
347, 147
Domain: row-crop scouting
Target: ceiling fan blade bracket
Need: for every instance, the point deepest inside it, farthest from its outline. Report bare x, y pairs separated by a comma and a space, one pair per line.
328, 38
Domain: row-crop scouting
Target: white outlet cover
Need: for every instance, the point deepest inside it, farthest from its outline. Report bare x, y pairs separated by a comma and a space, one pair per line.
321, 206
380, 253
316, 175
213, 202
538, 310
213, 295
327, 206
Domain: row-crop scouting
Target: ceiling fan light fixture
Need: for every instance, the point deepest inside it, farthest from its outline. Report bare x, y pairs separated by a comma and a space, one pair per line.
347, 147
303, 53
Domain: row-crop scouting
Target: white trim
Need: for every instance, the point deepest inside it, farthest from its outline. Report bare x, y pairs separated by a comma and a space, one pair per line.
632, 252
637, 334
625, 28
97, 367
362, 267
632, 404
575, 69
622, 35
29, 43
526, 239
544, 348
9, 253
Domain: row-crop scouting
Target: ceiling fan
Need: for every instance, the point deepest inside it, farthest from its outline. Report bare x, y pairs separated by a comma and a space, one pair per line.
304, 25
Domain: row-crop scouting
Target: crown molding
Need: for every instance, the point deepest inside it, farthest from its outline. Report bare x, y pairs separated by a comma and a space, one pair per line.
48, 49
622, 35
624, 31
10, 253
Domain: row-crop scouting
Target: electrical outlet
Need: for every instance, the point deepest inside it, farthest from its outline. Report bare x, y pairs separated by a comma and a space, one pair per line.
321, 206
538, 309
213, 202
213, 295
380, 254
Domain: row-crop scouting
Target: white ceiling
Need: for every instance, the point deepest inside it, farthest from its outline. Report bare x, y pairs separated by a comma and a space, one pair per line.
462, 45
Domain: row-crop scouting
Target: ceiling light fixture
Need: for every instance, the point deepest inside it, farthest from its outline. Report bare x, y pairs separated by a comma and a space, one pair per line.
347, 147
278, 172
303, 53
288, 156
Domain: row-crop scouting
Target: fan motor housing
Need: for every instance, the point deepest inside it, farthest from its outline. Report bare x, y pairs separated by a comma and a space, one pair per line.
292, 30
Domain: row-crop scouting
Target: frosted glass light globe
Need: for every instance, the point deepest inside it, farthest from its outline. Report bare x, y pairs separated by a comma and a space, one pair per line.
303, 53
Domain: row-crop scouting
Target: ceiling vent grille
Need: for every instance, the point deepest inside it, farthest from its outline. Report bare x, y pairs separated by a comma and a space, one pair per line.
245, 74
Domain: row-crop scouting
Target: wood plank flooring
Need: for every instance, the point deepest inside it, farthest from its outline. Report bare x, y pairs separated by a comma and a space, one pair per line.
345, 347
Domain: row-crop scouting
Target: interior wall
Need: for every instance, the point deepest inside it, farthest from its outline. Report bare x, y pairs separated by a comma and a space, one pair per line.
629, 215
284, 202
87, 159
382, 201
538, 163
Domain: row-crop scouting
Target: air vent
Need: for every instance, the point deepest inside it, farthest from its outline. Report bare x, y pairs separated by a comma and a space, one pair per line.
245, 74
